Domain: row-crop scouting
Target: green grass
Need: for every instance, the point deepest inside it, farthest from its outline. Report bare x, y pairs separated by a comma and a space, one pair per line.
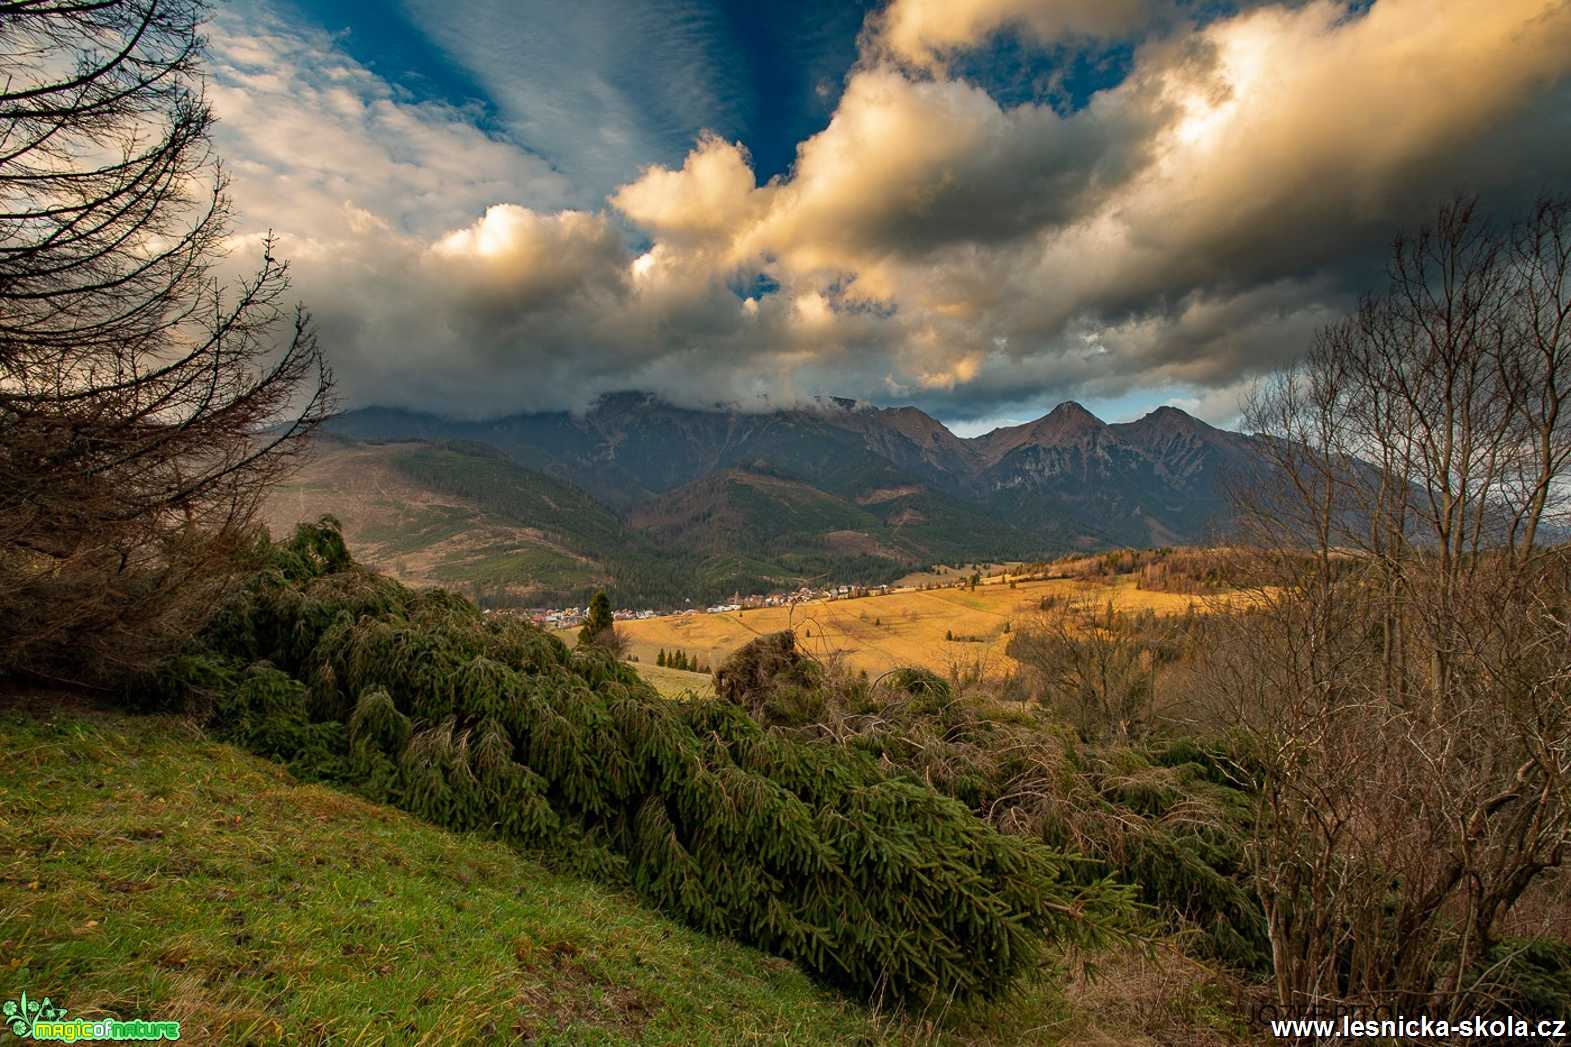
500, 566
149, 872
419, 527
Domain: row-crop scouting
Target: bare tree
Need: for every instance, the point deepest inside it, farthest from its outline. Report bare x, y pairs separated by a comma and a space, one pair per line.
1091, 667
1405, 669
144, 405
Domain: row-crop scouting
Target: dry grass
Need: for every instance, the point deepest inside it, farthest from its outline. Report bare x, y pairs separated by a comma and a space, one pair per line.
676, 683
878, 633
1150, 995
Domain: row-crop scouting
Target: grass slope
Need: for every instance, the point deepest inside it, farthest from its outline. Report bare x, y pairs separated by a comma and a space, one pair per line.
148, 872
676, 683
878, 633
425, 534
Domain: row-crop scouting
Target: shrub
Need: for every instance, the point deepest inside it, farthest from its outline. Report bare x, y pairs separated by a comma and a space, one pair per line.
869, 880
1169, 818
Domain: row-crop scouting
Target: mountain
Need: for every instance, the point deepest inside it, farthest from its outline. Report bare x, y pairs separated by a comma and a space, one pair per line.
465, 515
677, 503
1155, 481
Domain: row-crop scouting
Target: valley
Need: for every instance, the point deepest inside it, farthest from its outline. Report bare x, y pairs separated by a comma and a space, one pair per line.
668, 507
950, 630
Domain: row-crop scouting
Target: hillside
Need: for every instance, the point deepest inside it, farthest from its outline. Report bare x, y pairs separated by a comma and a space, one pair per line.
463, 514
431, 533
153, 873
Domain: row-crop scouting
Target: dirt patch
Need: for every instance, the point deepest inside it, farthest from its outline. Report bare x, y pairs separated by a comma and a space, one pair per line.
888, 494
859, 543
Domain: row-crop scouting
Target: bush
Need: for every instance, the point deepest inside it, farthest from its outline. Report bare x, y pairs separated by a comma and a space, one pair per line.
1169, 818
1531, 976
868, 880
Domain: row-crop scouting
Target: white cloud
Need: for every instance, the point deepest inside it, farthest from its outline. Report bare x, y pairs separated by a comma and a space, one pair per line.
1186, 229
923, 32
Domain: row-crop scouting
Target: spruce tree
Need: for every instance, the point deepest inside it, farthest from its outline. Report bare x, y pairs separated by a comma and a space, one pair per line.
599, 620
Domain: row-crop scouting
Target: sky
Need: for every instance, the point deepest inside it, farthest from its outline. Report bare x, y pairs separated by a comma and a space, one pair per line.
979, 207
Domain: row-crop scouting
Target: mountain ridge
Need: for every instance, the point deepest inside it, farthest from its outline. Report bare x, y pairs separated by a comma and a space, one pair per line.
739, 498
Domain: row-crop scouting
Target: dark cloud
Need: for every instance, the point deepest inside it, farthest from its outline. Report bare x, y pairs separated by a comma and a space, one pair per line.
1188, 228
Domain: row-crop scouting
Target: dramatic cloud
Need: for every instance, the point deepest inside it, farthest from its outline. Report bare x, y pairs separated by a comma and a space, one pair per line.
922, 32
1185, 229
599, 86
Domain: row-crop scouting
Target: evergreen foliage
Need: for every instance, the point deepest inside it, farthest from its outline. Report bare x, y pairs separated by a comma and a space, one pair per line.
1170, 818
1531, 976
599, 620
869, 880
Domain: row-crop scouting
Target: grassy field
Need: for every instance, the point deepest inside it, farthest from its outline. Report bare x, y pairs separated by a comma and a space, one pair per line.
675, 683
148, 872
878, 633
948, 574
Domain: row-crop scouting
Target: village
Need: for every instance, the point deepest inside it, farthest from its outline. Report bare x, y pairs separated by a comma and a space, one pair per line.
571, 617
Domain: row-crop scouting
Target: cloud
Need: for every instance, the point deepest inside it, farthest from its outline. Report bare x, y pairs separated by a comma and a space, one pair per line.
923, 32
599, 87
705, 203
1185, 229
304, 129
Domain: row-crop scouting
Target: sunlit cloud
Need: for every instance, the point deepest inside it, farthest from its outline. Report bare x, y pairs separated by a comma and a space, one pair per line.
1186, 228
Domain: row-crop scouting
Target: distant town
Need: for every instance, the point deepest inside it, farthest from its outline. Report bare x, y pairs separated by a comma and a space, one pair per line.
570, 617
952, 576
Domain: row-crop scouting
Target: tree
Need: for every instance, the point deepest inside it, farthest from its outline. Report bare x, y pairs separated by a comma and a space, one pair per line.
1091, 669
660, 658
145, 406
600, 626
1403, 672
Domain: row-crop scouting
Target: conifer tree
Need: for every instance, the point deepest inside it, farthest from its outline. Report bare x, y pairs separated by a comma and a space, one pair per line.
146, 399
599, 621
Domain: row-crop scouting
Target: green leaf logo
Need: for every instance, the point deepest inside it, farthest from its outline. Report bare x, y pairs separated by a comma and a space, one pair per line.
21, 1017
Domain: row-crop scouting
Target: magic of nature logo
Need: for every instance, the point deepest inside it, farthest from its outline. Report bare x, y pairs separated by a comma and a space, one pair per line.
32, 1019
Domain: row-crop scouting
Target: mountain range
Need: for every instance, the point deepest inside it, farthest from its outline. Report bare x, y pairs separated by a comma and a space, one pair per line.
665, 504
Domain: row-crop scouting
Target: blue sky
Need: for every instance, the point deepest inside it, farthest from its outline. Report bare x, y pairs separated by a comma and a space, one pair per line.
981, 207
766, 74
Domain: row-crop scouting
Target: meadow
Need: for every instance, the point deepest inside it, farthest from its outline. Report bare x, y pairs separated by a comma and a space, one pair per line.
940, 629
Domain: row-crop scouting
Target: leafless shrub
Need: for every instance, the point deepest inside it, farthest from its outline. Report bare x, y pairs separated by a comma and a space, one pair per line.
1100, 670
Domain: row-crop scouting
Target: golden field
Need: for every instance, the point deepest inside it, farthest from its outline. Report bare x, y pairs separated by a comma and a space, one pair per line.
675, 683
907, 627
